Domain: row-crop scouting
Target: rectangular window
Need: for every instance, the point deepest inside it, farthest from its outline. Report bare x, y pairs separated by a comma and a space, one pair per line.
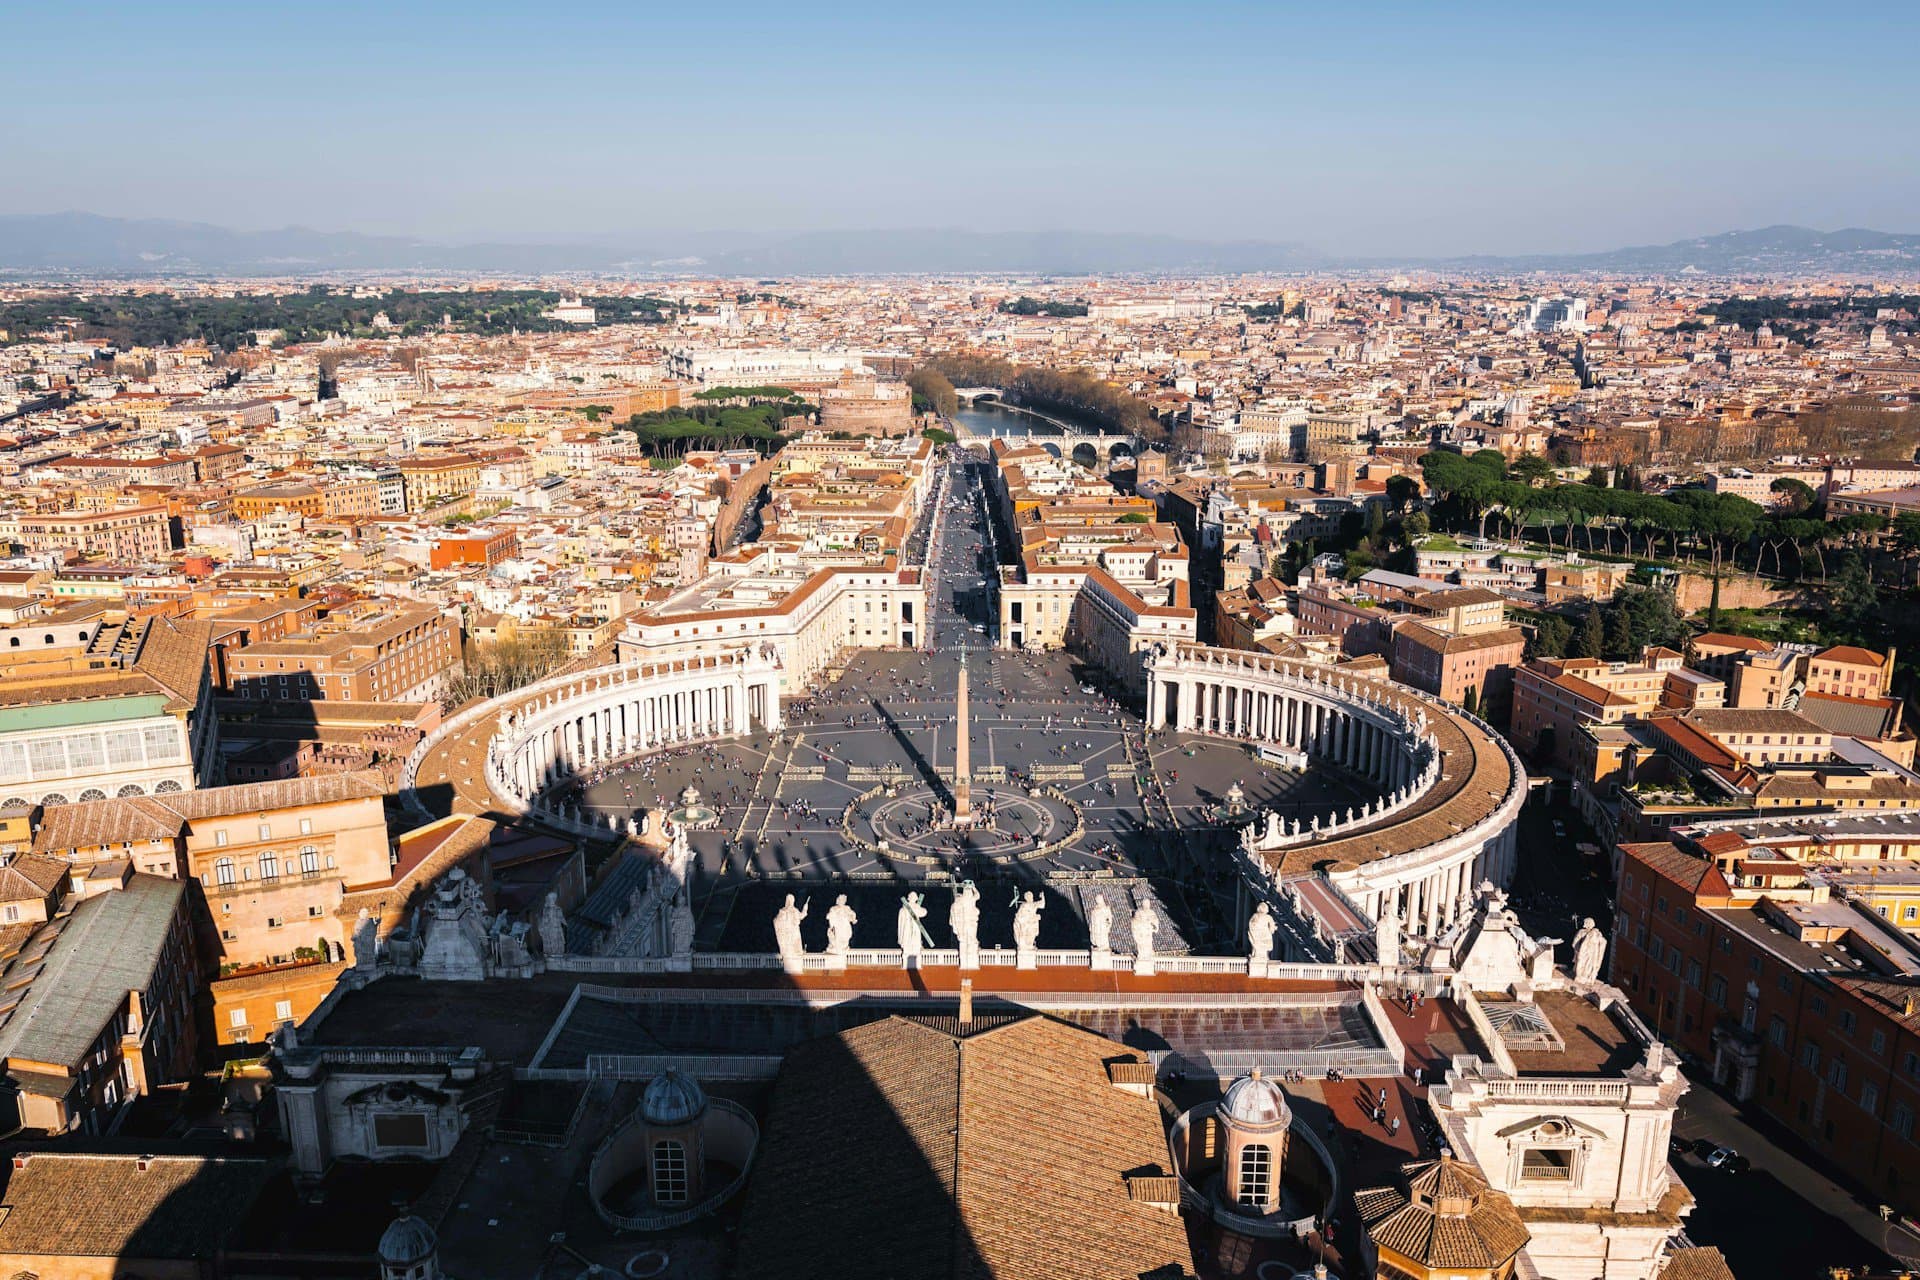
1900, 1120
1869, 1098
1546, 1164
400, 1131
669, 1172
282, 1010
236, 1017
1810, 1054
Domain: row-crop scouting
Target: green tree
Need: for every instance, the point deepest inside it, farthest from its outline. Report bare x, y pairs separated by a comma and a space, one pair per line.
1597, 478
1856, 603
1416, 526
1553, 636
1619, 633
1590, 639
1798, 498
1530, 469
933, 387
1471, 702
1401, 490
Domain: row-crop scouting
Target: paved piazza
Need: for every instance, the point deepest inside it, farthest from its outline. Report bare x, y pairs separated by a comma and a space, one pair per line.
1073, 783
890, 716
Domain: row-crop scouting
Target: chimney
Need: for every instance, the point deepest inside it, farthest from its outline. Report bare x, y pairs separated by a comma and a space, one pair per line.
966, 1002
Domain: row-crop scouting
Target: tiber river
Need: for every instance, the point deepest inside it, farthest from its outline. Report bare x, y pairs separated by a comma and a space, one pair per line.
985, 419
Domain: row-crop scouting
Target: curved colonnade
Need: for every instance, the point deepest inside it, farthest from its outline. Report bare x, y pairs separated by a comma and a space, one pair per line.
1451, 788
567, 725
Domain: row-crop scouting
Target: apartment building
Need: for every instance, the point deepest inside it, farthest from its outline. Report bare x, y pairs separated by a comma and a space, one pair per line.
274, 860
1804, 1003
431, 480
132, 715
126, 534
371, 651
100, 1005
809, 621
1555, 697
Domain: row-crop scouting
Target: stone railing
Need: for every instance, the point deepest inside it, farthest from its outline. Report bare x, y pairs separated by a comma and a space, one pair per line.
1550, 1088
949, 957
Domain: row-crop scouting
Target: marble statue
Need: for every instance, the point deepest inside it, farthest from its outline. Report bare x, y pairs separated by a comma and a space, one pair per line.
1260, 931
1589, 949
680, 924
366, 941
553, 927
1100, 924
1144, 925
906, 927
1273, 827
1386, 938
964, 920
786, 932
1026, 924
840, 922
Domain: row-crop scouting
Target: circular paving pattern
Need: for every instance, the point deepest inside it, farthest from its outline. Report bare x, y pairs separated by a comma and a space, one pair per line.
1010, 824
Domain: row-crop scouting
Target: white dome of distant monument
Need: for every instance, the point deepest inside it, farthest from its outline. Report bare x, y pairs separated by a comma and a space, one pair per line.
1255, 1100
672, 1098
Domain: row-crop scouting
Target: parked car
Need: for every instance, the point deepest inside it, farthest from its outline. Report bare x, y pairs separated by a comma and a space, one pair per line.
1726, 1159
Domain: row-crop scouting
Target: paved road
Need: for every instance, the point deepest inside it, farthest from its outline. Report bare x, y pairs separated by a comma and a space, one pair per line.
1781, 1217
1555, 886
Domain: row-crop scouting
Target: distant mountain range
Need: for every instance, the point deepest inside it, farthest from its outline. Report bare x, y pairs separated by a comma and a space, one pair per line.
86, 243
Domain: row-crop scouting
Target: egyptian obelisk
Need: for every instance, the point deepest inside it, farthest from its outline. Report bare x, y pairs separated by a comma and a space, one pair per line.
962, 783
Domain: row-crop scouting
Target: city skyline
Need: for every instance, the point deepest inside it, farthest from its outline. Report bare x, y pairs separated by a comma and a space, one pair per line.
1401, 134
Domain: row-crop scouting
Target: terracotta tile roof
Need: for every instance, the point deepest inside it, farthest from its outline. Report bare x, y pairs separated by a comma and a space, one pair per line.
116, 820
926, 1153
1445, 1217
1703, 1263
1674, 864
31, 876
128, 1208
1853, 655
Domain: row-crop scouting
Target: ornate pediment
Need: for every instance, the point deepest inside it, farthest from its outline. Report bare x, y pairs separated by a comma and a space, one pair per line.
1550, 1129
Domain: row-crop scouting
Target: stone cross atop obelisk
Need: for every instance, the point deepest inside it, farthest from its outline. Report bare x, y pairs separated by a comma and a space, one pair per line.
962, 765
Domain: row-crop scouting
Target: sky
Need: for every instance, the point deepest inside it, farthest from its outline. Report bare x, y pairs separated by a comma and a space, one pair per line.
1355, 128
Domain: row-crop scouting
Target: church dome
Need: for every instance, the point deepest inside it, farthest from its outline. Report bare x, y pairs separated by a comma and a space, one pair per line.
671, 1099
1255, 1100
407, 1240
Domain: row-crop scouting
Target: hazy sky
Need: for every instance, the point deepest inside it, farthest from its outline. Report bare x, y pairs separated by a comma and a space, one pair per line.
1356, 128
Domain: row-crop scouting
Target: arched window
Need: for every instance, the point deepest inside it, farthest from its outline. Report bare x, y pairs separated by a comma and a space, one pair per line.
131, 789
223, 871
166, 788
269, 865
54, 797
309, 860
1256, 1173
669, 1172
93, 793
